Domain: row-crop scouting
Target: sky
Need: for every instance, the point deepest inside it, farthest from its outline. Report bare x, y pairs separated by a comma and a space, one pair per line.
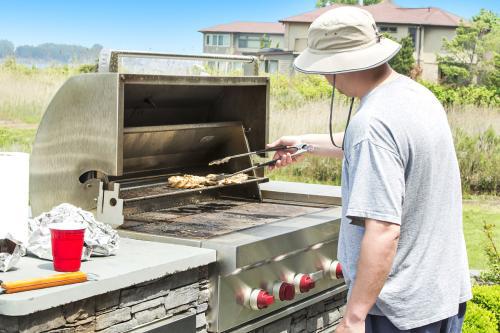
156, 25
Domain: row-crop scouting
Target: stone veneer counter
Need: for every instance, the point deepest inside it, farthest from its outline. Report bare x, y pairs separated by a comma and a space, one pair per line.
136, 262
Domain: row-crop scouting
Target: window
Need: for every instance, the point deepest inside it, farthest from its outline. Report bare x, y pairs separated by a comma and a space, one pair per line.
391, 30
412, 31
271, 66
217, 40
248, 42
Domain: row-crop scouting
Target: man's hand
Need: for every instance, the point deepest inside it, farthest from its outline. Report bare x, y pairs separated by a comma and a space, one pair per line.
344, 327
285, 155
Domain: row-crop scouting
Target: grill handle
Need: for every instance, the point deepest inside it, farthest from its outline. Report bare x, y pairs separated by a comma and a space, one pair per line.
268, 163
108, 59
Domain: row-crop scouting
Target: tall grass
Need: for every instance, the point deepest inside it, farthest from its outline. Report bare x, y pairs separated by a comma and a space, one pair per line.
25, 91
476, 131
16, 139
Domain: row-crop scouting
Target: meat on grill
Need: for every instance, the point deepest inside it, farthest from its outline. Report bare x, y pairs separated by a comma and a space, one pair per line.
191, 181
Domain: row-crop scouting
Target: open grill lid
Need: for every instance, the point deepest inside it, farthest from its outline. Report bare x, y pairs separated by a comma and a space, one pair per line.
109, 125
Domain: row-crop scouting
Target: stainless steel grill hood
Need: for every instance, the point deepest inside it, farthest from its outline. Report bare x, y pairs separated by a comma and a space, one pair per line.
116, 124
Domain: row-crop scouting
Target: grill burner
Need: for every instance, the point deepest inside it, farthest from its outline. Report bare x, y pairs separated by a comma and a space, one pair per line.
213, 218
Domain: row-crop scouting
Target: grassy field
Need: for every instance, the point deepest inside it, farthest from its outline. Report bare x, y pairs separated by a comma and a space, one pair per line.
478, 210
25, 93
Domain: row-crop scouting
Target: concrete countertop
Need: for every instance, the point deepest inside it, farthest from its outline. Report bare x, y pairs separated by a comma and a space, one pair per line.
136, 262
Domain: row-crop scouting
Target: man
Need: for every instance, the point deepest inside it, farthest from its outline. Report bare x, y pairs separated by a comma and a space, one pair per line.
401, 242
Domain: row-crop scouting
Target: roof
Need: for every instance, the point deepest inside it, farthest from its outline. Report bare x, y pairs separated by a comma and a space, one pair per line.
274, 28
388, 12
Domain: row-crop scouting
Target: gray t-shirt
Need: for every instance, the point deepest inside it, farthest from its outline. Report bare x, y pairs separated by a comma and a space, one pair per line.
400, 166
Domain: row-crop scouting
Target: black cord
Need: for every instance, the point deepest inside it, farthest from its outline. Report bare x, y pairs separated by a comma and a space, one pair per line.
348, 120
330, 127
331, 114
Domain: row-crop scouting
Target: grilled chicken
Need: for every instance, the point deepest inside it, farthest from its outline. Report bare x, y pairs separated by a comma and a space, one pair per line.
191, 181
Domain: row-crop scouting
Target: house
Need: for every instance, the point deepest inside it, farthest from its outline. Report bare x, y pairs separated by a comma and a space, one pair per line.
426, 26
242, 37
277, 44
247, 38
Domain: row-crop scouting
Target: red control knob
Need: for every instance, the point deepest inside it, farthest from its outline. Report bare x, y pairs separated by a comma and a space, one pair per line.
284, 291
303, 283
306, 284
336, 270
264, 299
260, 299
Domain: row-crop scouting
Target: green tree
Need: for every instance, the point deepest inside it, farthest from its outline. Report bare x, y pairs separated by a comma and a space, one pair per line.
265, 42
471, 53
324, 3
62, 53
491, 78
403, 62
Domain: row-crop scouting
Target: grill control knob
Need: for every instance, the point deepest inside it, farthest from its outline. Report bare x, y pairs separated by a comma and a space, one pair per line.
303, 283
335, 270
284, 291
260, 299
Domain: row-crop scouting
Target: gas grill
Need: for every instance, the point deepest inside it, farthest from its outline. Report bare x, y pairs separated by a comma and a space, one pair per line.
109, 141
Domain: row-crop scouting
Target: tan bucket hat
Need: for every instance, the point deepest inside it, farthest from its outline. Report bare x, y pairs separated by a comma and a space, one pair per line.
344, 39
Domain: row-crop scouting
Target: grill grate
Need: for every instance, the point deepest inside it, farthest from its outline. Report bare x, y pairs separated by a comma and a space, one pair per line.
156, 190
212, 218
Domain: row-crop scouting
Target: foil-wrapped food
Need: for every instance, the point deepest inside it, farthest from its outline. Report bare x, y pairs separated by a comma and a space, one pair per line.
10, 253
99, 240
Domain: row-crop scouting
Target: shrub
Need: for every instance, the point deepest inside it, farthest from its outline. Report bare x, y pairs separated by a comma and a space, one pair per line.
492, 78
492, 273
479, 161
291, 92
312, 169
87, 68
468, 95
488, 297
479, 320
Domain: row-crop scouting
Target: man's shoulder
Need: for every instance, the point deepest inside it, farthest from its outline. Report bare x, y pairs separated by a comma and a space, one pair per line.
372, 128
402, 92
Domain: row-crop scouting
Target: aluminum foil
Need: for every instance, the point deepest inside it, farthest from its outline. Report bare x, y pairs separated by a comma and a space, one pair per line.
100, 239
10, 252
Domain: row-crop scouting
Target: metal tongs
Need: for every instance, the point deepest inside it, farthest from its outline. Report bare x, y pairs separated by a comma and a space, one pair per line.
300, 149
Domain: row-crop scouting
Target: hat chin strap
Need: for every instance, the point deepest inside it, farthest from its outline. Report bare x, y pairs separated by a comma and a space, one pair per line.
330, 125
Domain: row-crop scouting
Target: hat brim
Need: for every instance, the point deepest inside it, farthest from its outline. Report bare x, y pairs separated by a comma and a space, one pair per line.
348, 61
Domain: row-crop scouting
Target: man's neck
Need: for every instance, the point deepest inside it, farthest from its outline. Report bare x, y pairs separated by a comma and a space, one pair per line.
374, 78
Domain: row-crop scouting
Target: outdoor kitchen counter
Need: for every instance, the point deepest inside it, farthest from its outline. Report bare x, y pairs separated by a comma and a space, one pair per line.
292, 191
136, 262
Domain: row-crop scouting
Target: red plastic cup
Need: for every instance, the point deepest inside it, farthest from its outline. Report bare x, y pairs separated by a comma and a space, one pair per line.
67, 246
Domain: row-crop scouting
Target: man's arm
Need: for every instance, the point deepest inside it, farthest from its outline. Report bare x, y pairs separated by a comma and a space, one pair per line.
378, 249
322, 146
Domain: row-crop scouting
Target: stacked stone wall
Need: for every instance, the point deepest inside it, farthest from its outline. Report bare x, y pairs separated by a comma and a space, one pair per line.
173, 296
